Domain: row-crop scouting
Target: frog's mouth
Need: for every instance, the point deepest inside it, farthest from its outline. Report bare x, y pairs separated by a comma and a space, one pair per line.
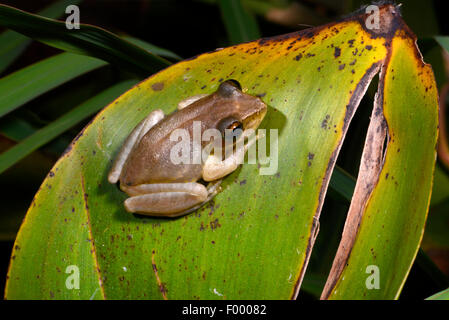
253, 121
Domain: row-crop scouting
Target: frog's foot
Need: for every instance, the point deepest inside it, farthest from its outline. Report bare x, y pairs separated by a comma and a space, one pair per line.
215, 168
166, 199
187, 102
139, 131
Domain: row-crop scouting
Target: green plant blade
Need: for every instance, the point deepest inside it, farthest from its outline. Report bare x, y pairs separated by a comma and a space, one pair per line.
152, 48
16, 129
386, 220
263, 225
440, 191
443, 41
48, 133
443, 295
240, 25
28, 83
12, 44
342, 183
88, 40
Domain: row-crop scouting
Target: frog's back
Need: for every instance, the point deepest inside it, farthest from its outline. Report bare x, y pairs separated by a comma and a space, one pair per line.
150, 161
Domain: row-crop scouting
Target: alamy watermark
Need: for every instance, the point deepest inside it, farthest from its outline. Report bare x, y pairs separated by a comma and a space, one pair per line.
213, 148
373, 19
73, 20
373, 280
73, 280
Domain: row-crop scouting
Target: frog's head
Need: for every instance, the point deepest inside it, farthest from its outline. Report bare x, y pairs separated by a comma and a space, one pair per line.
243, 111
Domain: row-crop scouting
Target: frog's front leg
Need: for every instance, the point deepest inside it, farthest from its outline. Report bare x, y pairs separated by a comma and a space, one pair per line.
139, 131
165, 199
216, 168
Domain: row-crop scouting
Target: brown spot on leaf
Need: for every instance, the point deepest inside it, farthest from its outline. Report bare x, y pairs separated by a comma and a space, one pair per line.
158, 86
298, 57
325, 121
214, 224
337, 52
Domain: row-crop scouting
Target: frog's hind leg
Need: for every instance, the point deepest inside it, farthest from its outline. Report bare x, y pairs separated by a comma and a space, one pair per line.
212, 189
139, 131
187, 102
165, 199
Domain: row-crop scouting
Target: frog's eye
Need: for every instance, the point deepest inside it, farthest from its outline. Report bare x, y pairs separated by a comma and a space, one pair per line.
237, 128
235, 125
230, 125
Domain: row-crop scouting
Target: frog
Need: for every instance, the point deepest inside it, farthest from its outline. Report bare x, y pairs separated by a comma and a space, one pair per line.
160, 188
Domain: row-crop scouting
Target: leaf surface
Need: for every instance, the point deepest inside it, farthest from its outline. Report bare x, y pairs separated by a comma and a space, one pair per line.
30, 82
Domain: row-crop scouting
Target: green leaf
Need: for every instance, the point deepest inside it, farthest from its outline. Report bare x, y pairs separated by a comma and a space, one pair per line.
48, 133
240, 25
343, 183
259, 225
16, 129
12, 44
88, 40
440, 190
30, 82
388, 212
443, 295
313, 284
152, 48
443, 41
